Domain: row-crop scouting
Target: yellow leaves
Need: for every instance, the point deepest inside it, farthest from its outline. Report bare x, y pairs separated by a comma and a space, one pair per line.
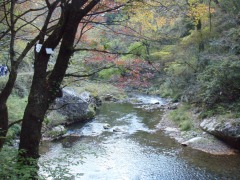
143, 17
199, 11
149, 20
161, 21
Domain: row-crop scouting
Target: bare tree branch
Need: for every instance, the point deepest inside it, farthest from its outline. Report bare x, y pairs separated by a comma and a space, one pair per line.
101, 51
91, 73
15, 122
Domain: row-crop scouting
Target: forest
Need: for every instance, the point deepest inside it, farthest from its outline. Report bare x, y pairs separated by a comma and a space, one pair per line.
184, 50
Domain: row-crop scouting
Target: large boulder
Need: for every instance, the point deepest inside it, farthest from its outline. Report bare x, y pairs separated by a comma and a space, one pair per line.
72, 107
226, 130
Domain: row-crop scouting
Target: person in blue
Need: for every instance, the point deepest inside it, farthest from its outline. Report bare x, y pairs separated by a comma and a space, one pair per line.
5, 70
1, 70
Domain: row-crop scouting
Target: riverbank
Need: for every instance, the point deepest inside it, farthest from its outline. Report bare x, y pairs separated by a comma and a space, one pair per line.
190, 135
131, 147
194, 138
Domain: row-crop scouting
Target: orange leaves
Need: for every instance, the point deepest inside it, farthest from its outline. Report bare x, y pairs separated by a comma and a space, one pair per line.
120, 62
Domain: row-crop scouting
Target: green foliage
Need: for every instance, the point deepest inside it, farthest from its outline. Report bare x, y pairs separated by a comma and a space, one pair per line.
100, 89
56, 134
181, 117
185, 125
91, 111
3, 81
164, 54
113, 44
10, 168
16, 106
231, 6
22, 84
54, 118
108, 73
137, 49
13, 132
167, 90
222, 110
209, 77
221, 82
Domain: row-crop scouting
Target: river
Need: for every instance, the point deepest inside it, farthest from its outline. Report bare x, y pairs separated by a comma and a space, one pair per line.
136, 151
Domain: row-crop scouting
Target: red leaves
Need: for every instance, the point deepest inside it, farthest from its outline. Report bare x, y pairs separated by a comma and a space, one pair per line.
136, 74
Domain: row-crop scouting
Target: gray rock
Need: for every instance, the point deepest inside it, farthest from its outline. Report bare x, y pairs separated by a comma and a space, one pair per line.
106, 126
72, 107
173, 106
226, 130
193, 141
85, 96
109, 97
117, 129
59, 129
171, 129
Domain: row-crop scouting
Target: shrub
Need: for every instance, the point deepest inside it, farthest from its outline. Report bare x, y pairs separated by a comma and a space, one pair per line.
220, 82
181, 117
13, 132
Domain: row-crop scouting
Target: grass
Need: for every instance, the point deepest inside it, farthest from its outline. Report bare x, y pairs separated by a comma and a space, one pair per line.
182, 117
54, 118
16, 107
100, 89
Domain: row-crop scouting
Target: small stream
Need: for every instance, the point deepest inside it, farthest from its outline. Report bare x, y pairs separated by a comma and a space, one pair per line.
136, 151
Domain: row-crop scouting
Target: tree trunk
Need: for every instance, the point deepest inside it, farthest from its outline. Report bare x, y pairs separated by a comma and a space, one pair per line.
43, 90
3, 123
199, 29
36, 108
3, 105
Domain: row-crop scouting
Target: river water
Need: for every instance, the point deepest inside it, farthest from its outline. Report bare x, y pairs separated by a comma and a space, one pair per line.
136, 151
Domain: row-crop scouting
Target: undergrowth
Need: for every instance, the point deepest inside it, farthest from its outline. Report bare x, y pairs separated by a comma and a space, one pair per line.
182, 117
16, 106
99, 89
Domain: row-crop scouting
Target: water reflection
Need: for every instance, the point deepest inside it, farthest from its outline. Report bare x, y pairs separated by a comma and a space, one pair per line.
138, 151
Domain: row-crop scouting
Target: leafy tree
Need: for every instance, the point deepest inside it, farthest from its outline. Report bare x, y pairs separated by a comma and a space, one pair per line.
13, 21
46, 85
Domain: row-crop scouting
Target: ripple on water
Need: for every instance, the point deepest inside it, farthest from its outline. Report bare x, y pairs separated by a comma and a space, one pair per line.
140, 154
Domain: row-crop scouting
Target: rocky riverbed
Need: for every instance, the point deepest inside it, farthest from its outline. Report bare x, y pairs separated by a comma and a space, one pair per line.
132, 141
195, 138
207, 135
202, 136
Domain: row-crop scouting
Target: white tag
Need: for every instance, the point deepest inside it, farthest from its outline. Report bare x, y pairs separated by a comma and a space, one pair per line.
49, 51
38, 47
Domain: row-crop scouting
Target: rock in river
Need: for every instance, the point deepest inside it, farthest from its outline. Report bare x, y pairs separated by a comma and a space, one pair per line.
72, 107
106, 126
226, 130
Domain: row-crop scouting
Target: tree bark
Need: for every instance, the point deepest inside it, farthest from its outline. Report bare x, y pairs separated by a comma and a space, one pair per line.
43, 90
7, 90
3, 123
3, 105
199, 29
